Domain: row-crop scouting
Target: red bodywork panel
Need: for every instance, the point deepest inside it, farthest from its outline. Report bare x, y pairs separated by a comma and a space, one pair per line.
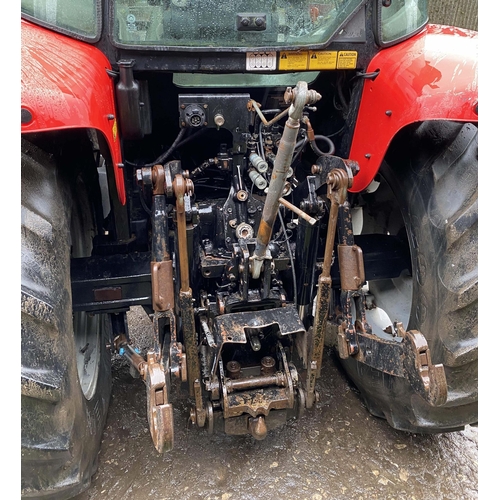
64, 85
432, 76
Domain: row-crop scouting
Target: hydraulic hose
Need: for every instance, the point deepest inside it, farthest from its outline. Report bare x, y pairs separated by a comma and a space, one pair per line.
315, 148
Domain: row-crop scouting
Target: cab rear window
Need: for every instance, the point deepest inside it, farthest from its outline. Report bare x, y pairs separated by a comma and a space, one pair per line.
78, 18
229, 24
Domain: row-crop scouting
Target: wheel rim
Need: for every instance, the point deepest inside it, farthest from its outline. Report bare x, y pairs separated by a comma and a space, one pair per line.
393, 297
86, 330
87, 327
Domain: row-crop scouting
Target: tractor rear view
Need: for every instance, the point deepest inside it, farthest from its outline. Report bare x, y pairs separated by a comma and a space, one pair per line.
254, 176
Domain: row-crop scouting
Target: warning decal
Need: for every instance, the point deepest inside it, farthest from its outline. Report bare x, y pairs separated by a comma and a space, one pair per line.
293, 61
347, 59
326, 59
315, 60
312, 60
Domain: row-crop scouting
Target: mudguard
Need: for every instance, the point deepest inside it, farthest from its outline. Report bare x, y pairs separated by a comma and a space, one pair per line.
432, 76
64, 84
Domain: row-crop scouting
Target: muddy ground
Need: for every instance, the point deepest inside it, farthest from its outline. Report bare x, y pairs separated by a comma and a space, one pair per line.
337, 451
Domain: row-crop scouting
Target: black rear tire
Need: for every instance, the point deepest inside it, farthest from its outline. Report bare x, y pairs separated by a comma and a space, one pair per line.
66, 366
428, 195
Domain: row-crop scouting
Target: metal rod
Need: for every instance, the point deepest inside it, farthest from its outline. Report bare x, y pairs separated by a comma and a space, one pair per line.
182, 241
278, 179
240, 384
181, 188
298, 211
277, 118
299, 97
135, 359
159, 251
337, 192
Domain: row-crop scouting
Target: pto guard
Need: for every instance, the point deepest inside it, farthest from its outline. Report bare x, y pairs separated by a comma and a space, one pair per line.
431, 76
64, 84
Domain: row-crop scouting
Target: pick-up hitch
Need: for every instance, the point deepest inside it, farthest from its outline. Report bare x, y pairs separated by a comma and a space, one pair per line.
408, 358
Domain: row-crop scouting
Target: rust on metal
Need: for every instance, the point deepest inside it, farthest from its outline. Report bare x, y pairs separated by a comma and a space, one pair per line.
190, 338
160, 412
162, 282
278, 379
200, 410
233, 369
337, 185
409, 359
178, 365
257, 427
107, 294
299, 97
158, 178
258, 395
265, 230
255, 402
428, 379
310, 131
267, 365
181, 187
351, 267
238, 426
342, 343
180, 190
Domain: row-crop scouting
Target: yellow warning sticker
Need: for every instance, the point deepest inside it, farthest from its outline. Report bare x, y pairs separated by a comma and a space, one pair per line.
293, 61
314, 60
347, 59
322, 59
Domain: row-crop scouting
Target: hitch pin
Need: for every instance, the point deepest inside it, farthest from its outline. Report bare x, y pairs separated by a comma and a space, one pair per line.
132, 355
298, 211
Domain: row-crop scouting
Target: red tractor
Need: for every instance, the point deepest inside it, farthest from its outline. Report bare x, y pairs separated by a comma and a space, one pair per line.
257, 176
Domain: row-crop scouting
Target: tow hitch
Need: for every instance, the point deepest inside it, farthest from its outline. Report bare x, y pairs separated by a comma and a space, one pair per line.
268, 389
249, 361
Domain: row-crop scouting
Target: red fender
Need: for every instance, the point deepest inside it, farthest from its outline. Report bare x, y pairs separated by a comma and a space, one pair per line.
64, 85
431, 76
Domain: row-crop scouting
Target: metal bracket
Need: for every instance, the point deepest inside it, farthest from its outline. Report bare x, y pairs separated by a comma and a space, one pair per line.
410, 359
160, 412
